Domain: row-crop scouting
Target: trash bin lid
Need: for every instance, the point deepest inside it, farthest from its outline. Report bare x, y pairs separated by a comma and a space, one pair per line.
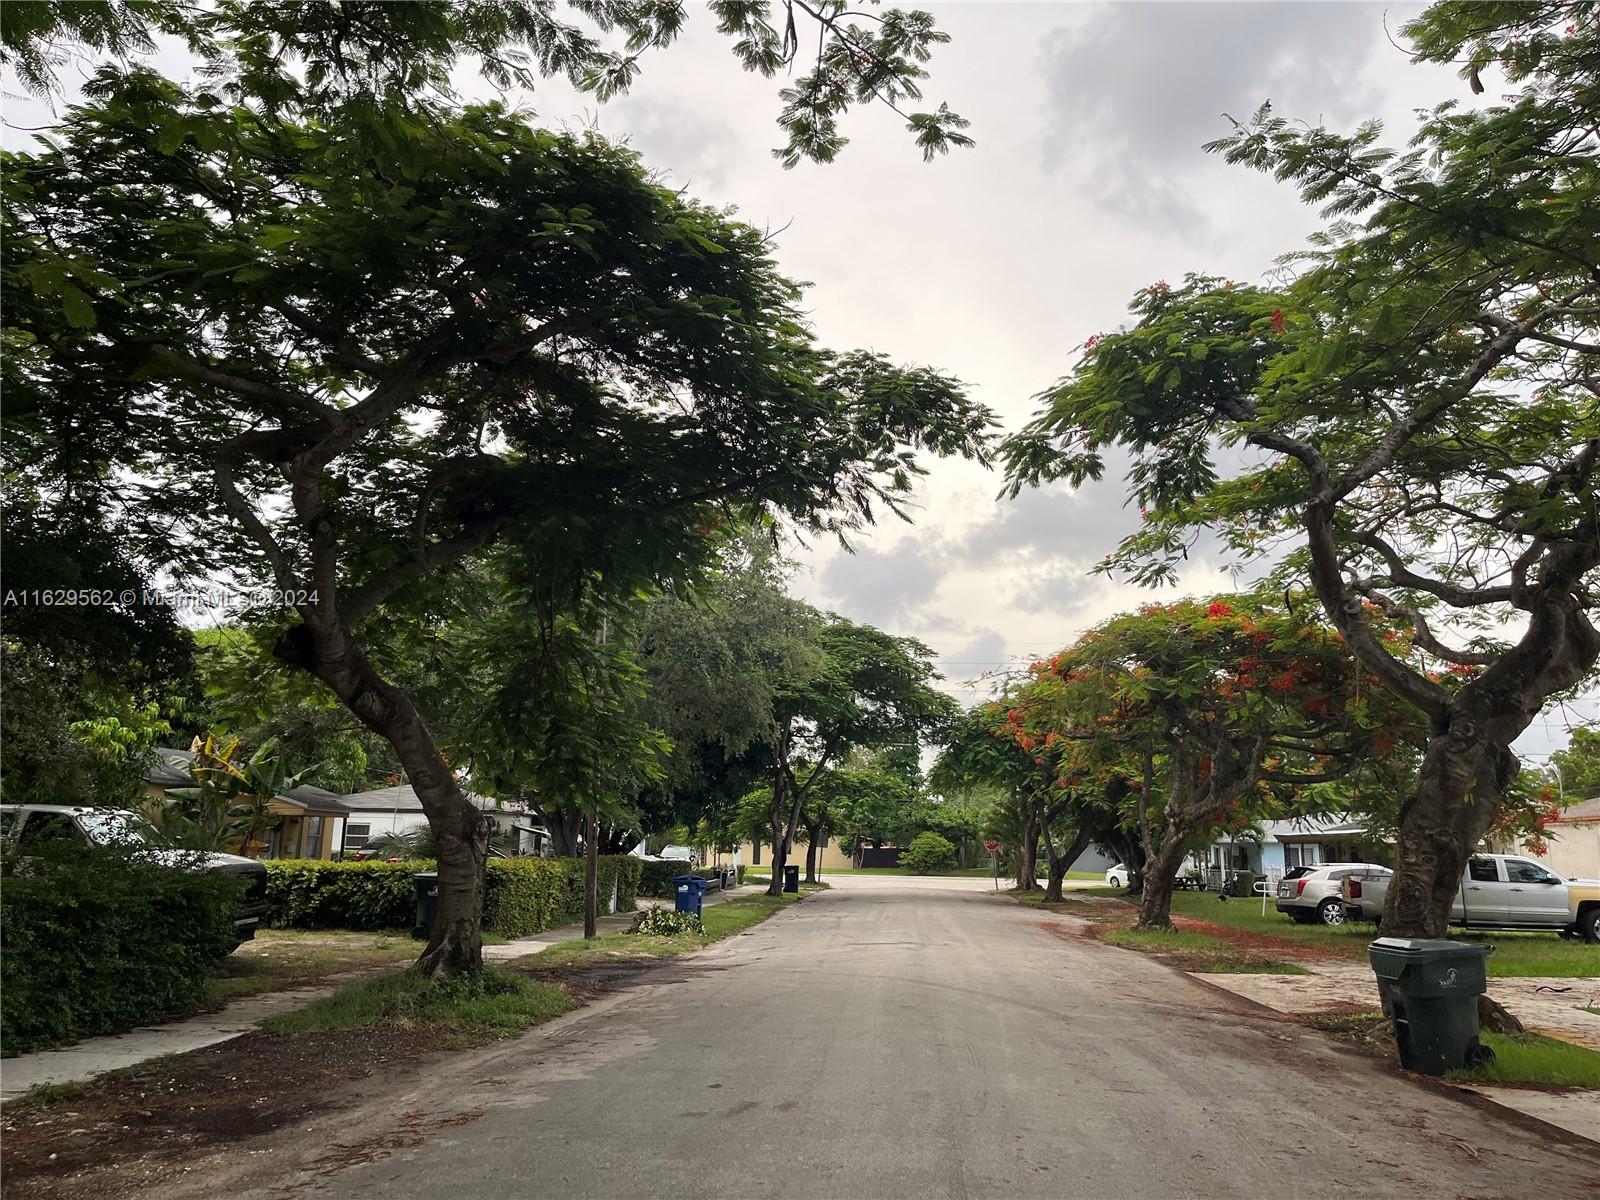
1430, 948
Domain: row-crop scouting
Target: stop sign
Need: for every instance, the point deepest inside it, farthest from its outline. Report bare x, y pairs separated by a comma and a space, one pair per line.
991, 846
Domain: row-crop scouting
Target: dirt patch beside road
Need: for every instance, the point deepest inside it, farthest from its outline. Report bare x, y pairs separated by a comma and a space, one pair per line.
132, 1129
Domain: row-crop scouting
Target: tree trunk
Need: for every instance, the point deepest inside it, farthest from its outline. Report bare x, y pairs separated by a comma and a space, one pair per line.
1061, 863
591, 876
1028, 855
1160, 873
566, 830
460, 831
813, 838
1459, 787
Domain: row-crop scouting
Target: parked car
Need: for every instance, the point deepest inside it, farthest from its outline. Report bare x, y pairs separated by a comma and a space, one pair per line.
1117, 876
1500, 891
38, 825
1314, 895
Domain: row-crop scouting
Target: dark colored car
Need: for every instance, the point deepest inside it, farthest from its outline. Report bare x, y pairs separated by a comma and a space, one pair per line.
38, 825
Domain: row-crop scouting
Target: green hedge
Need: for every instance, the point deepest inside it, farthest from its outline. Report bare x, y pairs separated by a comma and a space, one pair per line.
99, 942
522, 895
656, 877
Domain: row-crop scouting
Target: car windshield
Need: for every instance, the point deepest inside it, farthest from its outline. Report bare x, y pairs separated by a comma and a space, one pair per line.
116, 827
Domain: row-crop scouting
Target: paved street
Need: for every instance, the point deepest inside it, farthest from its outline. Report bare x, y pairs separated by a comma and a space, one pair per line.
919, 1038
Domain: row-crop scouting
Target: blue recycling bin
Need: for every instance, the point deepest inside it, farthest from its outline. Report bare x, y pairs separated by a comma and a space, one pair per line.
688, 891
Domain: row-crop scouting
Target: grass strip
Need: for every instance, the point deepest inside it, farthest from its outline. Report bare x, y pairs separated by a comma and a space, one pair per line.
720, 921
1534, 1058
496, 1002
1201, 952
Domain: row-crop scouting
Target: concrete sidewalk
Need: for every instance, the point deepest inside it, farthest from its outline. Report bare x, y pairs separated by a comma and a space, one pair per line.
84, 1060
94, 1056
1554, 1007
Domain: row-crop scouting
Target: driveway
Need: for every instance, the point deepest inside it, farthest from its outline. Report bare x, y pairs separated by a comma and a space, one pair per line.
914, 1038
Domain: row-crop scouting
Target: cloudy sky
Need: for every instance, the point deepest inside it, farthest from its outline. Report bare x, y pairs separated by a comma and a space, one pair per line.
1088, 182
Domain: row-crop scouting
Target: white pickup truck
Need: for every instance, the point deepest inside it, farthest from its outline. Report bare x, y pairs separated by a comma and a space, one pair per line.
1499, 891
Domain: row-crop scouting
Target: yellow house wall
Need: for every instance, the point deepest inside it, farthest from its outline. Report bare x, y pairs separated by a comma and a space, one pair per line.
1574, 851
829, 858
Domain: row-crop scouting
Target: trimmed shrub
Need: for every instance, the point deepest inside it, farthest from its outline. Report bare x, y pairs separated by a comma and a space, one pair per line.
525, 895
308, 893
521, 895
100, 941
655, 878
929, 853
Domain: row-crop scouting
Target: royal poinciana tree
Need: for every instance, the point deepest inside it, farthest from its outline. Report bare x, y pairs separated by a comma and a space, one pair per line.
1423, 400
1201, 715
357, 370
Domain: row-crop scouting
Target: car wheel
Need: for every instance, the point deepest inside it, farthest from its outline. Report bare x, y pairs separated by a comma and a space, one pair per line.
1589, 925
1116, 881
1330, 912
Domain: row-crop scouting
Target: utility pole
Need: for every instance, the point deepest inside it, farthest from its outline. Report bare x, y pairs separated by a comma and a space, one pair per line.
591, 820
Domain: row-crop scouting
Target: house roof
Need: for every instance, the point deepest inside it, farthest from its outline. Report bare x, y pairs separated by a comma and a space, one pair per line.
171, 769
314, 798
1581, 813
403, 798
1306, 829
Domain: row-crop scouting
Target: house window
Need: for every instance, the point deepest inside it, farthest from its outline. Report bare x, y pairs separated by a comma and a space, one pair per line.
1301, 854
355, 836
312, 838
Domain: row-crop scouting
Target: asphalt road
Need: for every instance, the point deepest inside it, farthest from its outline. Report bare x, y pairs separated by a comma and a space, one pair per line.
892, 1040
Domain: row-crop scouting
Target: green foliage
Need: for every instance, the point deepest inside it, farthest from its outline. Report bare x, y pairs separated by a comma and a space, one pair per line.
667, 922
655, 878
1579, 764
373, 67
98, 941
312, 894
494, 1002
929, 854
521, 895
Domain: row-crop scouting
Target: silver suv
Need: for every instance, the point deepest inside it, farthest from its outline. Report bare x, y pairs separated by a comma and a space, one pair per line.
1314, 896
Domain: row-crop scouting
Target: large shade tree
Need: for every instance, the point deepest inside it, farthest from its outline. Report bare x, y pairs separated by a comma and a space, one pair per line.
355, 369
1423, 402
863, 690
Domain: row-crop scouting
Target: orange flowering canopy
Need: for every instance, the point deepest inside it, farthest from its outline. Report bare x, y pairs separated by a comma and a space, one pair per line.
1243, 677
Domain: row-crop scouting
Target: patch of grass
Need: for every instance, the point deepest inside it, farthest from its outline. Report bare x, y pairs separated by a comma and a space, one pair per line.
1532, 1058
42, 1095
720, 921
1200, 952
494, 1003
1515, 954
278, 959
1595, 1011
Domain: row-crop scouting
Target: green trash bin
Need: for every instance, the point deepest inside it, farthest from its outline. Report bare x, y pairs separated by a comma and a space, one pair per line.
1431, 987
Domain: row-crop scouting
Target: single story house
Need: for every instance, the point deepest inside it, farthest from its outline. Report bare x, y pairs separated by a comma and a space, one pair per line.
382, 811
311, 819
1282, 845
